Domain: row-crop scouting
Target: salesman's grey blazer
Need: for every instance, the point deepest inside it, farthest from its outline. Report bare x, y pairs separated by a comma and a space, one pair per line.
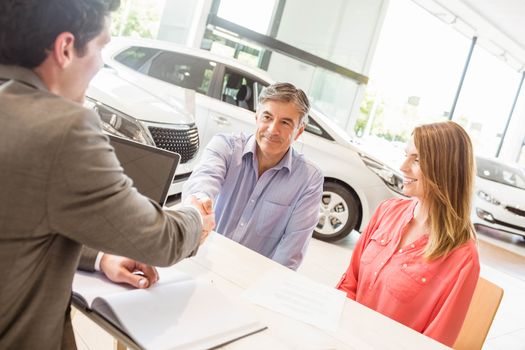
61, 187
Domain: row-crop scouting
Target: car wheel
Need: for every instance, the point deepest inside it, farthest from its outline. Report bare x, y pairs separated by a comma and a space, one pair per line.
339, 213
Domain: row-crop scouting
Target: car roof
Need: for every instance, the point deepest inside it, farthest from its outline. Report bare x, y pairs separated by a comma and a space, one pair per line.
117, 44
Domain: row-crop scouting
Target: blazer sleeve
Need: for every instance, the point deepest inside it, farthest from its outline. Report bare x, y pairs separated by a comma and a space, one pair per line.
91, 201
208, 176
88, 257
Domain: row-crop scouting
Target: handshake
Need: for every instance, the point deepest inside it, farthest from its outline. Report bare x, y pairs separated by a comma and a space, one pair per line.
205, 206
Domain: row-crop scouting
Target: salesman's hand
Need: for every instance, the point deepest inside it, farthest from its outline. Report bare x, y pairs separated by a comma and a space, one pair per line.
205, 207
123, 270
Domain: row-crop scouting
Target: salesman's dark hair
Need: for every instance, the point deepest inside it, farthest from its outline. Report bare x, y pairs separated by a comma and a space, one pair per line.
28, 28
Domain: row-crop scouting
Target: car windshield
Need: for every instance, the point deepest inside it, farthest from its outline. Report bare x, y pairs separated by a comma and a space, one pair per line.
500, 172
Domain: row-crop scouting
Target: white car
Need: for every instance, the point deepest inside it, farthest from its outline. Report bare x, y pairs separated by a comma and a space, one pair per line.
499, 198
127, 110
225, 101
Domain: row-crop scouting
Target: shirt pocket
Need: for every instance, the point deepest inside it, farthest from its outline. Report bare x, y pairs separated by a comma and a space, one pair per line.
272, 219
409, 279
378, 242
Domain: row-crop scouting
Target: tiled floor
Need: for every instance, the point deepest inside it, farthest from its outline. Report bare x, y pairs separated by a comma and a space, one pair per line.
503, 262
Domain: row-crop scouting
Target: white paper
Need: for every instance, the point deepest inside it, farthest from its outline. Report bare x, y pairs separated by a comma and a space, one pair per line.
299, 298
182, 315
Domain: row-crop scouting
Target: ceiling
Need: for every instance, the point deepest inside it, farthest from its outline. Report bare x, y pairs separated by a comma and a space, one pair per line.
498, 24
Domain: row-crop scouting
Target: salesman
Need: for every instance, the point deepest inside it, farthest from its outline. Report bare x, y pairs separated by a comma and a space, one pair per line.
266, 194
61, 185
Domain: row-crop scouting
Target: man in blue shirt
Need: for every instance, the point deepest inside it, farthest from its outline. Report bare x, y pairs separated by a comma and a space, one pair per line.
266, 195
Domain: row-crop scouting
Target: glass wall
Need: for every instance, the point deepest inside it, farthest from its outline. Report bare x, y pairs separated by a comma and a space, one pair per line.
252, 14
486, 99
341, 31
414, 75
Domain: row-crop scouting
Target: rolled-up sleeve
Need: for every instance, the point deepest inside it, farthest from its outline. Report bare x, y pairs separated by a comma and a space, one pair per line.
208, 177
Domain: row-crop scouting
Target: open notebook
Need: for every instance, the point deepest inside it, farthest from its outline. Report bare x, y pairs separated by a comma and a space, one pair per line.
178, 312
151, 169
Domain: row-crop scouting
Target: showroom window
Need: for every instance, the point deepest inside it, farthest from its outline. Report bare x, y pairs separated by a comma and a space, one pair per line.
414, 74
189, 72
486, 99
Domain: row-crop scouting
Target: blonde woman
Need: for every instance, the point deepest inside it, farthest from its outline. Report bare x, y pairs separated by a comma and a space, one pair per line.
417, 261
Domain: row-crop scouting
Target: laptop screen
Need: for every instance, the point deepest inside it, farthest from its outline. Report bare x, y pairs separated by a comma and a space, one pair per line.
151, 169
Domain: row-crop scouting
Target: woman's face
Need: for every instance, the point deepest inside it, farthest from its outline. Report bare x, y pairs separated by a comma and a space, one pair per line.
412, 175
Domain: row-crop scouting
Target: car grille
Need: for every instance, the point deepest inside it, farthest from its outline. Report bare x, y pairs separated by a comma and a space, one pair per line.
516, 211
183, 141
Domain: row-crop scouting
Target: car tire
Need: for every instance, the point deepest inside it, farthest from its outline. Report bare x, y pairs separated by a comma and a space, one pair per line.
339, 212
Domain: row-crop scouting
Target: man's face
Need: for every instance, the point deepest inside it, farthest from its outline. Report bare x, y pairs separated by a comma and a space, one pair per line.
277, 128
83, 68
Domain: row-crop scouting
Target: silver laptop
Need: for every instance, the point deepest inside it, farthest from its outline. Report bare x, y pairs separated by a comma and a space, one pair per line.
151, 169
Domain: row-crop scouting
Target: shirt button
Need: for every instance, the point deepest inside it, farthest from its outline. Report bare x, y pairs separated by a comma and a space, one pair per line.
412, 246
401, 250
423, 280
405, 266
382, 262
382, 241
253, 200
375, 273
242, 223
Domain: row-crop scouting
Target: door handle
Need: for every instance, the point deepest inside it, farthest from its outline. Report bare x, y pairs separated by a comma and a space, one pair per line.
221, 120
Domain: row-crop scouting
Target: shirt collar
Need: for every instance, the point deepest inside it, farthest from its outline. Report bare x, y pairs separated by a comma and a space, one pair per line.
23, 75
251, 147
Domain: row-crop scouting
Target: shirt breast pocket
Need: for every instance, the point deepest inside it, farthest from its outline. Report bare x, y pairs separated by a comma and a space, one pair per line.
409, 280
272, 219
378, 242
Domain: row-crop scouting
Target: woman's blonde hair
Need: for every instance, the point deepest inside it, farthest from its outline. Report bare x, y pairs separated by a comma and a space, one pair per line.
447, 162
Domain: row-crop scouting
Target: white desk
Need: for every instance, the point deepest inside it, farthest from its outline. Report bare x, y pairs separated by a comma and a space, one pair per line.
232, 268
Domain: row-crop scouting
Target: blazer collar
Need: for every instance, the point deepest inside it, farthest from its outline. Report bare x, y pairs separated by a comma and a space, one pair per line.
22, 75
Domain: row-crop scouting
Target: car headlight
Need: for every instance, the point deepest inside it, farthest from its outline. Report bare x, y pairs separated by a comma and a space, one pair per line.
120, 124
393, 180
488, 198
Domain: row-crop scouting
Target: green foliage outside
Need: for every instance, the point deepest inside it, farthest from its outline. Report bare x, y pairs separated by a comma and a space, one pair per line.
365, 109
137, 18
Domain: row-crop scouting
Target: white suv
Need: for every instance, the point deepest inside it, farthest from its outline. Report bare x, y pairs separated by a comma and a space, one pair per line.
225, 101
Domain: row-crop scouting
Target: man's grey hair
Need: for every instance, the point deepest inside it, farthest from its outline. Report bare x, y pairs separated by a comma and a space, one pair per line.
286, 92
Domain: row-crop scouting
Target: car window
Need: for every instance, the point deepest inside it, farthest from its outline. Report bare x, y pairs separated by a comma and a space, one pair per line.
186, 71
499, 172
240, 89
135, 56
314, 128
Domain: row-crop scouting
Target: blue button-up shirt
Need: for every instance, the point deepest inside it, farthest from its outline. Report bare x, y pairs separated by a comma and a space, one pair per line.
274, 214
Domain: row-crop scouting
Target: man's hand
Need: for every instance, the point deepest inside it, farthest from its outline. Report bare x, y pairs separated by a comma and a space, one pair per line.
123, 270
205, 207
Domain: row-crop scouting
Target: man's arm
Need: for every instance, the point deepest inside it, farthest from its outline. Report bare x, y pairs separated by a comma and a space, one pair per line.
92, 202
208, 176
118, 269
305, 216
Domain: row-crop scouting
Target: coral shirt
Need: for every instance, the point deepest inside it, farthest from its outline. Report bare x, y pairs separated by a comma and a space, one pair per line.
431, 297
